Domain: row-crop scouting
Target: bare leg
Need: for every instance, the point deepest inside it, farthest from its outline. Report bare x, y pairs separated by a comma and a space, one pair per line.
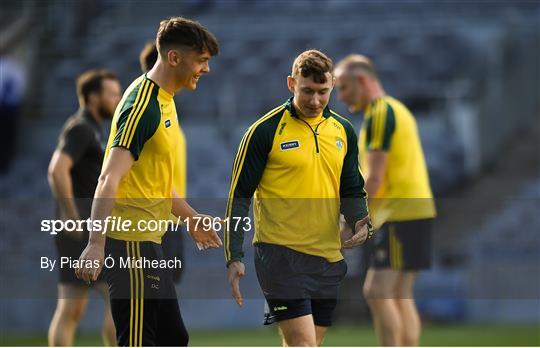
70, 308
379, 291
108, 331
320, 332
299, 332
407, 309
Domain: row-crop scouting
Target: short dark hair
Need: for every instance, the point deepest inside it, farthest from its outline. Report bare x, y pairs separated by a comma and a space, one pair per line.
358, 62
179, 31
91, 81
148, 56
312, 63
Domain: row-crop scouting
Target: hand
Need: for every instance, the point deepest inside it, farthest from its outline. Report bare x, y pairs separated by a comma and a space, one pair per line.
90, 262
236, 271
345, 234
361, 233
204, 236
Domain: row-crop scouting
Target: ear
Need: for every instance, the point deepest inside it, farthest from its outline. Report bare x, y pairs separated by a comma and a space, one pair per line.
333, 81
290, 83
174, 57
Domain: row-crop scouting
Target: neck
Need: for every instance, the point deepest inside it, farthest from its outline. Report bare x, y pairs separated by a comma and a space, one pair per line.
377, 92
163, 77
93, 110
299, 113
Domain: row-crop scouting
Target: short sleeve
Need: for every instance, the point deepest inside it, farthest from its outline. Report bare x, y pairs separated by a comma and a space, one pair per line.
138, 123
380, 127
76, 141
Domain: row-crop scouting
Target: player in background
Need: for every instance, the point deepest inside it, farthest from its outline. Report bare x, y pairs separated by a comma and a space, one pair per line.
400, 200
172, 241
73, 175
136, 184
300, 161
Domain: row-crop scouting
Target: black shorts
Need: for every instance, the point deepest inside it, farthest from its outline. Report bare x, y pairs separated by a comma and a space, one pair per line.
173, 246
143, 299
403, 245
72, 248
297, 284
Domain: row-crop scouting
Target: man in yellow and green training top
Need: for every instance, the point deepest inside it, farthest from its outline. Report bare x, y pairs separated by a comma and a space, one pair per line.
300, 162
400, 200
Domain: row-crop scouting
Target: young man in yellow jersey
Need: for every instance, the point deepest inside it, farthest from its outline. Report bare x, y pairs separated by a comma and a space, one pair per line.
400, 200
300, 162
136, 185
172, 241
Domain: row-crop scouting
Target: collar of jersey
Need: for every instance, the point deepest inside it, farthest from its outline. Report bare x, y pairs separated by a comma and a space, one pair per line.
289, 106
370, 106
163, 92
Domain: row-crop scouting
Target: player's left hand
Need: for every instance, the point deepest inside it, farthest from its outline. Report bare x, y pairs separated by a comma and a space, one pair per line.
90, 263
360, 235
236, 271
204, 235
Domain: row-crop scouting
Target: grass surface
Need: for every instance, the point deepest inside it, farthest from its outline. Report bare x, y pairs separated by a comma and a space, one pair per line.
449, 335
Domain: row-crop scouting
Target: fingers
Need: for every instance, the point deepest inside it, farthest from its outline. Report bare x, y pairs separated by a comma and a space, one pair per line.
210, 240
235, 286
356, 240
236, 271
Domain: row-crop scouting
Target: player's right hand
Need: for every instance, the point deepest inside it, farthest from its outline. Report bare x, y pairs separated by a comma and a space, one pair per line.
91, 257
205, 237
236, 271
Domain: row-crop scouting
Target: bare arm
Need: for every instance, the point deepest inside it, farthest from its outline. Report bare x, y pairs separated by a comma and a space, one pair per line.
59, 178
377, 163
115, 168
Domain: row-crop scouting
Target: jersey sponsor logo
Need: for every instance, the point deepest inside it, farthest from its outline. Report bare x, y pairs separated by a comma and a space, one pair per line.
280, 308
289, 145
167, 123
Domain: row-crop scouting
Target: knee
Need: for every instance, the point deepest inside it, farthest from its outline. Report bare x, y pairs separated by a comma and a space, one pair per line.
377, 291
72, 311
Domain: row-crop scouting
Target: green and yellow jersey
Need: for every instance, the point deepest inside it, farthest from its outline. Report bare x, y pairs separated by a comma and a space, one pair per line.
302, 173
405, 193
145, 123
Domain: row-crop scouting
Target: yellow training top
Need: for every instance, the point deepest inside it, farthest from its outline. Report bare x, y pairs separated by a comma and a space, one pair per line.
405, 193
302, 175
145, 123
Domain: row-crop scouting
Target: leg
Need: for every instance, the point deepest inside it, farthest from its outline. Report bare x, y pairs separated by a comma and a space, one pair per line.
379, 291
320, 332
171, 329
72, 300
299, 332
108, 331
407, 309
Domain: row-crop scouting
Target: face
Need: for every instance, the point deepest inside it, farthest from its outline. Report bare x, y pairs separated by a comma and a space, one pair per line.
310, 98
189, 66
109, 98
351, 91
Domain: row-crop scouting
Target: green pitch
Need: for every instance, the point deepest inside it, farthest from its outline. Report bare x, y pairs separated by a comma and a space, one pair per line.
434, 335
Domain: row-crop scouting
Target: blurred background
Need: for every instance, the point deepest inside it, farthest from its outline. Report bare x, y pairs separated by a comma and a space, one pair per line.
469, 71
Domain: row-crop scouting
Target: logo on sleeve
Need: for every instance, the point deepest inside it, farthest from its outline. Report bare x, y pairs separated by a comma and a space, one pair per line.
289, 145
167, 123
339, 143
